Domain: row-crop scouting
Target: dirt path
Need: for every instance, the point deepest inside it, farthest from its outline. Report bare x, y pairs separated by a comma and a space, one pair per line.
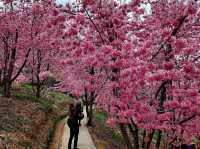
61, 138
85, 141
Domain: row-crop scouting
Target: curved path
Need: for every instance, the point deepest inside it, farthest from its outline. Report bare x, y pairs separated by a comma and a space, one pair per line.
85, 141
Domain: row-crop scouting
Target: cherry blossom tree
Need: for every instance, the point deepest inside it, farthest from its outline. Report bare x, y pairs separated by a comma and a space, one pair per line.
48, 43
97, 57
141, 68
15, 46
26, 28
149, 64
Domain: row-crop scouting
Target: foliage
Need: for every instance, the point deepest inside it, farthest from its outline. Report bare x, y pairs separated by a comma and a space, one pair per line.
117, 136
141, 68
27, 86
100, 116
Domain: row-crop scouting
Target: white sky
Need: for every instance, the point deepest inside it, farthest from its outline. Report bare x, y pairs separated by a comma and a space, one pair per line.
63, 2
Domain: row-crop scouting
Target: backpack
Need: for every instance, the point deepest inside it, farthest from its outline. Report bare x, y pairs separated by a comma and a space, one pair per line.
70, 122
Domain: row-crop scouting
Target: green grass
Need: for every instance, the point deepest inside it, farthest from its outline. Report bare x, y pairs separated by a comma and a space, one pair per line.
26, 93
46, 104
60, 96
27, 86
117, 136
100, 116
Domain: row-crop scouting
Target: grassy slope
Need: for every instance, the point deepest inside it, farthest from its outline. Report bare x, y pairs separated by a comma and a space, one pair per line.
103, 133
28, 122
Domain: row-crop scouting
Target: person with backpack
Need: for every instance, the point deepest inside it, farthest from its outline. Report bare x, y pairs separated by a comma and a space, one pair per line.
79, 109
73, 123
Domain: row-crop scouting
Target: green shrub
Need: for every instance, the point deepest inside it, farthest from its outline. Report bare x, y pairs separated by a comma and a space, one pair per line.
116, 136
27, 86
100, 116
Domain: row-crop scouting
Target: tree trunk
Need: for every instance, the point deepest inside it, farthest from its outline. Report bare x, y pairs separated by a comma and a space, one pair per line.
158, 139
0, 77
86, 102
38, 87
7, 89
91, 103
150, 135
38, 90
8, 76
9, 63
143, 137
125, 136
87, 109
135, 135
90, 116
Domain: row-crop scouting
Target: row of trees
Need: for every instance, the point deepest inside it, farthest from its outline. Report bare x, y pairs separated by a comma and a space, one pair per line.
141, 68
28, 38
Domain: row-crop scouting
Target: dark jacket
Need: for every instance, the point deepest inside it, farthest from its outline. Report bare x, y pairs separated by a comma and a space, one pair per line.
74, 119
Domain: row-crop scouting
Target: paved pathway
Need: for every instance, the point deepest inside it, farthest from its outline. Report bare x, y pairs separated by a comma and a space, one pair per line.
85, 141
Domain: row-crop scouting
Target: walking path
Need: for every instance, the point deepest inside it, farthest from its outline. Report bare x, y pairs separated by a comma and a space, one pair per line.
85, 141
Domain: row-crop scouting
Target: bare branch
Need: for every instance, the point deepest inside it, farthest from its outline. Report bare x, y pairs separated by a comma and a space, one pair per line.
187, 119
94, 24
174, 32
24, 63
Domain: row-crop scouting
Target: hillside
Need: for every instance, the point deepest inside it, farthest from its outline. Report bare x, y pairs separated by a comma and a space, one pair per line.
28, 122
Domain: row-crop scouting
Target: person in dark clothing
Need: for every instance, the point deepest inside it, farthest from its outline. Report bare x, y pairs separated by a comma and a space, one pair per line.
79, 110
74, 117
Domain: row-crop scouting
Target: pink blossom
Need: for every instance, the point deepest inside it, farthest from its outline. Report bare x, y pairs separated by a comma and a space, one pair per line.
55, 12
168, 65
111, 122
80, 18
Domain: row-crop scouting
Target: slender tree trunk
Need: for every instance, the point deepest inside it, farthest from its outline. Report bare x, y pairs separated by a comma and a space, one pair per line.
90, 122
38, 85
135, 135
0, 77
8, 75
158, 139
7, 89
91, 103
48, 67
86, 102
125, 136
143, 137
150, 135
91, 100
38, 90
